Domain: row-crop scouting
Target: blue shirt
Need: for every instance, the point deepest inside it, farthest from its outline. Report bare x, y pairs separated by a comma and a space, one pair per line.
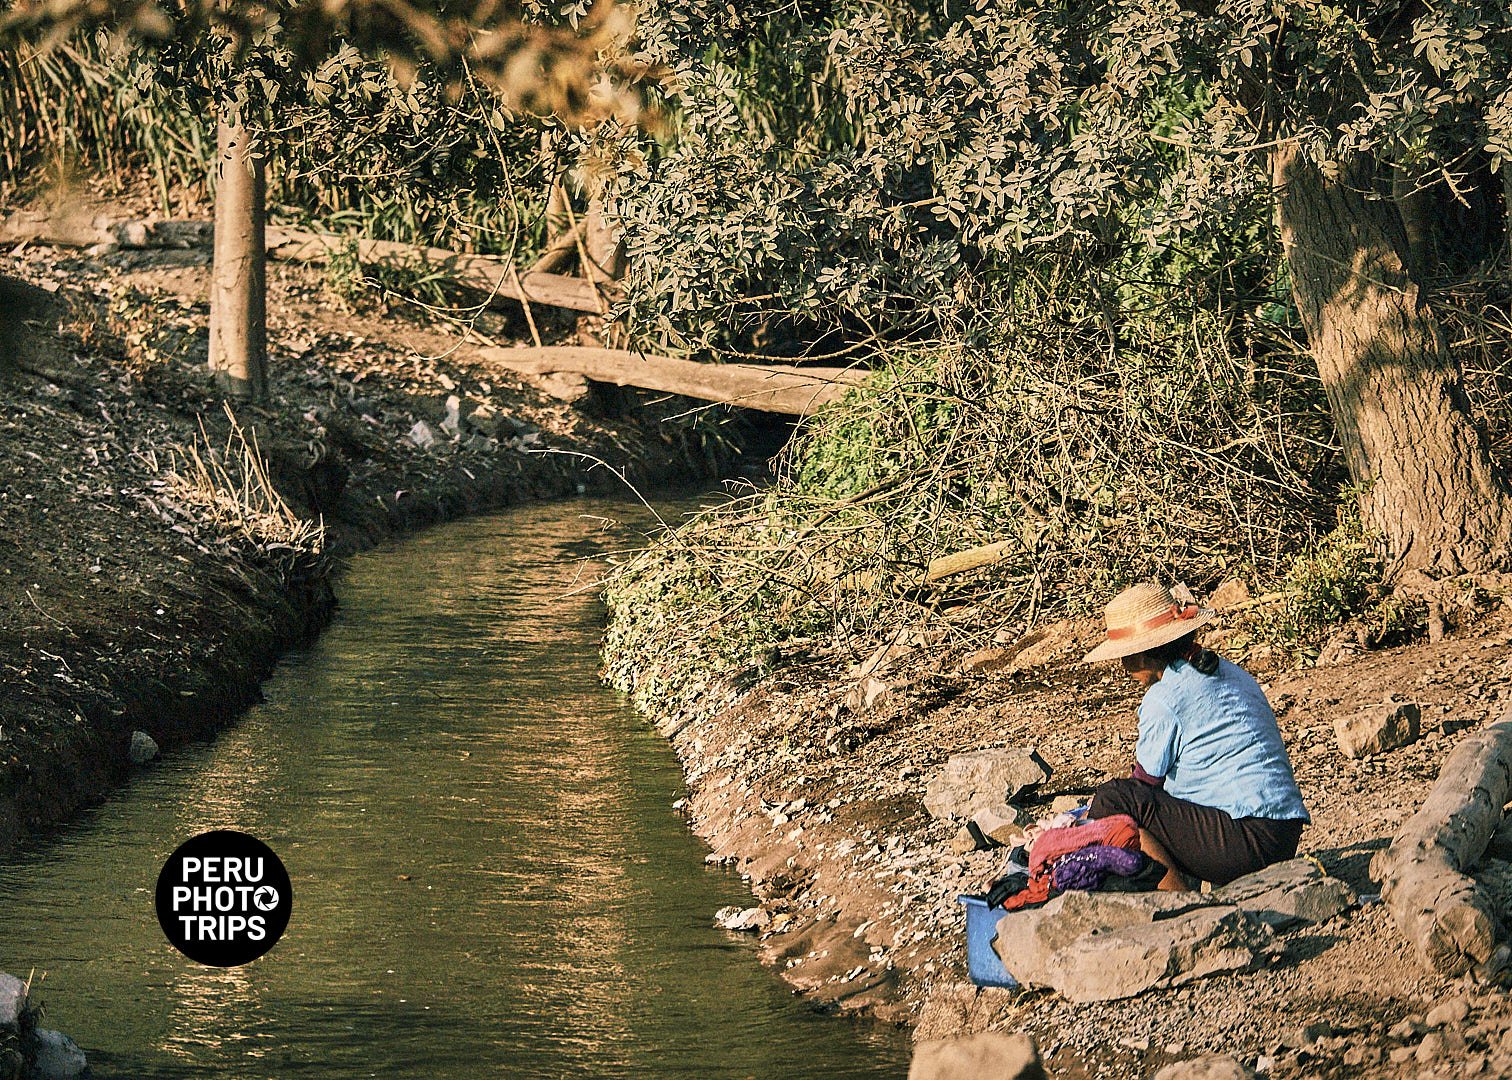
1214, 738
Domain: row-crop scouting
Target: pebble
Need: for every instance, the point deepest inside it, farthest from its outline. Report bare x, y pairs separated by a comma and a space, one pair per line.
1453, 1011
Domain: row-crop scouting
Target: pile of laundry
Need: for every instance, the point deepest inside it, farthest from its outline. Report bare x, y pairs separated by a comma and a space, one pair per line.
1069, 852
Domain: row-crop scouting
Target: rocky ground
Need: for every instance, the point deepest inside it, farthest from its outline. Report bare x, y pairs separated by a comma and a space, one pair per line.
138, 592
812, 783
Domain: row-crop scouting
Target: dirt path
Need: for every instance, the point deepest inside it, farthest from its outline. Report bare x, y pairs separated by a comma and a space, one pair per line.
130, 601
860, 883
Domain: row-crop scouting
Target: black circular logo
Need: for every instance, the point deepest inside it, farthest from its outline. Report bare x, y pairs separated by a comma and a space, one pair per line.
223, 898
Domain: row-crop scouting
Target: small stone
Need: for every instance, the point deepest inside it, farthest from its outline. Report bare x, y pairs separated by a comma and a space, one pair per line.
1378, 729
1402, 1054
54, 1056
423, 435
143, 748
867, 695
1287, 893
1453, 1011
1217, 1067
452, 424
1430, 1048
1300, 1038
1228, 594
12, 1002
741, 919
485, 420
993, 1054
986, 661
1406, 1030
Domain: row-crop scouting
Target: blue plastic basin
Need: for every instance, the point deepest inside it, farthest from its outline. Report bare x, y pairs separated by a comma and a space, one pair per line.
981, 927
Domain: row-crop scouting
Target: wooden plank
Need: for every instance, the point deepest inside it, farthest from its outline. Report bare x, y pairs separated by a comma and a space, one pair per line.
790, 391
479, 272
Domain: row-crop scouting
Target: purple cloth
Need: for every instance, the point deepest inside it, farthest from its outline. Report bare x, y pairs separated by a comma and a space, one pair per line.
1088, 868
1144, 777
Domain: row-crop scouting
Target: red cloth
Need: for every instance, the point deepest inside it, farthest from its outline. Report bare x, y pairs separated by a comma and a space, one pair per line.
1036, 892
1115, 830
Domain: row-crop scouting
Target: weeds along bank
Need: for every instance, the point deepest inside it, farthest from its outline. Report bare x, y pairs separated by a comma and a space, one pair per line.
1084, 466
158, 554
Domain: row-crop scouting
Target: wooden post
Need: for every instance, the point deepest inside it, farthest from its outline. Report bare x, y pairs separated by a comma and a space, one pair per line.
238, 279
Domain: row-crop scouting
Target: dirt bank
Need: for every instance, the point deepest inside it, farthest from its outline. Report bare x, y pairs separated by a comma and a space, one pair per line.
817, 796
139, 594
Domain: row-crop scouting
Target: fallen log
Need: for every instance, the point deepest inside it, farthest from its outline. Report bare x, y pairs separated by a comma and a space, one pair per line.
790, 391
479, 272
1443, 912
558, 253
88, 227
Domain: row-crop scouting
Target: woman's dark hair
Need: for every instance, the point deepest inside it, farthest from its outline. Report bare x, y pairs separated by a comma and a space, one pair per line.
1184, 648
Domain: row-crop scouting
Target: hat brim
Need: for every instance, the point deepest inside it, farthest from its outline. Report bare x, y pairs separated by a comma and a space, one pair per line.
1150, 639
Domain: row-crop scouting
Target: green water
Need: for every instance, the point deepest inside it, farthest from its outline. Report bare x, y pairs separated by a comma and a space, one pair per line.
450, 727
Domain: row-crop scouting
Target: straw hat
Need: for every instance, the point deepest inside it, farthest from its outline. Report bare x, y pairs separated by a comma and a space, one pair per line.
1145, 616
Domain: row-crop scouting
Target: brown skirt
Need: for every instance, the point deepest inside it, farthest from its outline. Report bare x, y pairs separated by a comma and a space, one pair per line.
1205, 843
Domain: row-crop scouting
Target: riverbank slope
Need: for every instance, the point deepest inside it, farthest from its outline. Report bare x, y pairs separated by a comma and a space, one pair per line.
151, 572
810, 780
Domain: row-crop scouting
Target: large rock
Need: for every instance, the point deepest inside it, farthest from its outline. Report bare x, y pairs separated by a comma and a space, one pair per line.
143, 748
1218, 1067
54, 1056
987, 1055
982, 780
1029, 942
1378, 729
1120, 962
12, 1003
1288, 893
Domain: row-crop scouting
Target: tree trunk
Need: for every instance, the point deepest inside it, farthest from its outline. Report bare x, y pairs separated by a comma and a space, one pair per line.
1430, 488
601, 244
238, 281
1415, 205
1506, 172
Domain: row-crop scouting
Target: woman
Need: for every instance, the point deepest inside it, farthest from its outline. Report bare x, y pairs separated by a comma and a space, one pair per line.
1212, 791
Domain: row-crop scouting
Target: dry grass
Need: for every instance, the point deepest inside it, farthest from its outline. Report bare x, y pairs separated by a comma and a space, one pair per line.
1093, 459
230, 492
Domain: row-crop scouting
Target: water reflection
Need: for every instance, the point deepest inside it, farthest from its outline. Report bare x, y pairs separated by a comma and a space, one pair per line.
487, 876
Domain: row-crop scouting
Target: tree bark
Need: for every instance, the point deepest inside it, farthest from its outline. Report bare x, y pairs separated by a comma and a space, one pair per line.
238, 280
1506, 172
601, 243
1429, 486
1415, 205
1442, 911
